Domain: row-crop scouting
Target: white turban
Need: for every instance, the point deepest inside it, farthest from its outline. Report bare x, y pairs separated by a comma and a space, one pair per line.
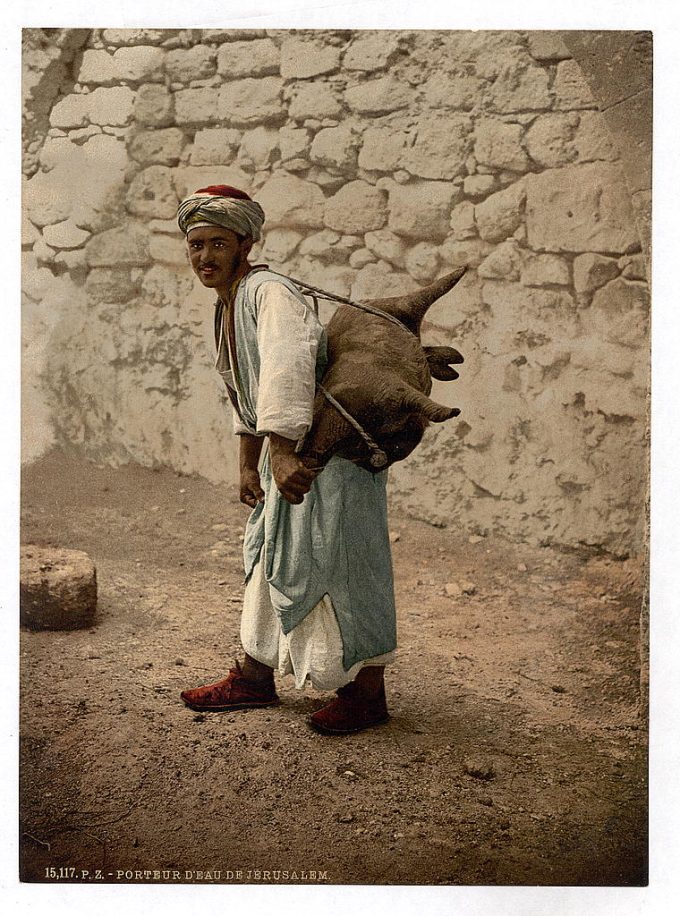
244, 217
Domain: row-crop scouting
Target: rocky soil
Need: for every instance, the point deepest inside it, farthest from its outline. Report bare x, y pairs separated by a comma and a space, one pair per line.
516, 752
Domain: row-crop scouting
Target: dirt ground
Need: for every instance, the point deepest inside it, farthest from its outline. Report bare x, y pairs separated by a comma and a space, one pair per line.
516, 752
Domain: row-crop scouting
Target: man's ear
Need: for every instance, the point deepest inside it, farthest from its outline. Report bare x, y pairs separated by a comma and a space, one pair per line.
246, 245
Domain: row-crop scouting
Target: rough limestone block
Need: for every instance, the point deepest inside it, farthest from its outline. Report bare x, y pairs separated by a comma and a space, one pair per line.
280, 244
293, 143
152, 194
324, 245
126, 37
386, 246
45, 200
259, 148
154, 105
620, 313
58, 589
498, 145
162, 147
580, 208
459, 91
547, 45
370, 51
360, 258
248, 58
214, 146
593, 139
591, 271
196, 106
379, 96
139, 64
111, 107
381, 149
375, 281
521, 89
314, 100
470, 252
292, 202
477, 186
570, 87
97, 68
545, 270
421, 210
197, 63
335, 147
462, 220
71, 111
500, 214
357, 207
549, 139
35, 280
29, 233
302, 59
504, 262
165, 249
65, 234
111, 284
251, 101
422, 261
116, 247
440, 148
230, 35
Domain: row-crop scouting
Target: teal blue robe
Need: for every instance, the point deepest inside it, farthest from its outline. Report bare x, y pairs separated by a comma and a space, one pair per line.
335, 542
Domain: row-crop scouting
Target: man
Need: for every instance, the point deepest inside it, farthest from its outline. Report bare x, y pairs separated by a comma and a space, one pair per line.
319, 596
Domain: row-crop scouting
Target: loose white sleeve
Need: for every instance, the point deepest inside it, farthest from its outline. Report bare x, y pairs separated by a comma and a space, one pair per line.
288, 335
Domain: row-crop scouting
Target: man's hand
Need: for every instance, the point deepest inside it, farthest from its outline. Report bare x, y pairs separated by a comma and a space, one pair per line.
291, 476
251, 492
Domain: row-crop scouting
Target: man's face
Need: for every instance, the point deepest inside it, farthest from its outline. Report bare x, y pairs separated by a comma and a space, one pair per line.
216, 254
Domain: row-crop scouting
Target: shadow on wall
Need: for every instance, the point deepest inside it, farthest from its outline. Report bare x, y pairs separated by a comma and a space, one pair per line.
382, 160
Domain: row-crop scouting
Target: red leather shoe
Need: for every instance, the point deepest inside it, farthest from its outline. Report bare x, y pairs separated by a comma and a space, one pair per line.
351, 711
234, 692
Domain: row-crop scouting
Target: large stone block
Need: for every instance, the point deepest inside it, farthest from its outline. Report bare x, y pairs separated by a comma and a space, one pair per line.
66, 234
152, 194
118, 247
422, 261
280, 245
140, 64
462, 220
162, 147
620, 313
580, 208
46, 201
459, 91
167, 249
357, 207
375, 281
293, 143
386, 246
382, 149
154, 105
259, 148
545, 270
549, 139
71, 111
301, 59
379, 96
468, 252
58, 588
504, 262
335, 147
591, 271
370, 51
421, 210
214, 146
248, 58
292, 203
593, 139
111, 284
314, 100
440, 148
500, 214
97, 68
521, 88
125, 37
196, 106
251, 101
111, 107
197, 63
570, 87
547, 45
499, 145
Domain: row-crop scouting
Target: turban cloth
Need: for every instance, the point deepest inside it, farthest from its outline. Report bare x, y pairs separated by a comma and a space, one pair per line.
220, 205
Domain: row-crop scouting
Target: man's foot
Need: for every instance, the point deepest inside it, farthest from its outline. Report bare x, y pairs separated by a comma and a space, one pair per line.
351, 711
234, 692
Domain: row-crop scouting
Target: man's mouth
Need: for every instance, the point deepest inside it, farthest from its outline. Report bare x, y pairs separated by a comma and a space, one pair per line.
208, 270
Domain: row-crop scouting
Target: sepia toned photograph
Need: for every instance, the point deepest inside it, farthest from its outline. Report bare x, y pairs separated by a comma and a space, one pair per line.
335, 456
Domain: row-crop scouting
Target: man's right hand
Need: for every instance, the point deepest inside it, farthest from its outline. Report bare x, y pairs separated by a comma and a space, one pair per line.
293, 479
251, 492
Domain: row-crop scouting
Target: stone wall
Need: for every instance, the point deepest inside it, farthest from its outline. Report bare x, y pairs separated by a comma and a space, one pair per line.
382, 160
